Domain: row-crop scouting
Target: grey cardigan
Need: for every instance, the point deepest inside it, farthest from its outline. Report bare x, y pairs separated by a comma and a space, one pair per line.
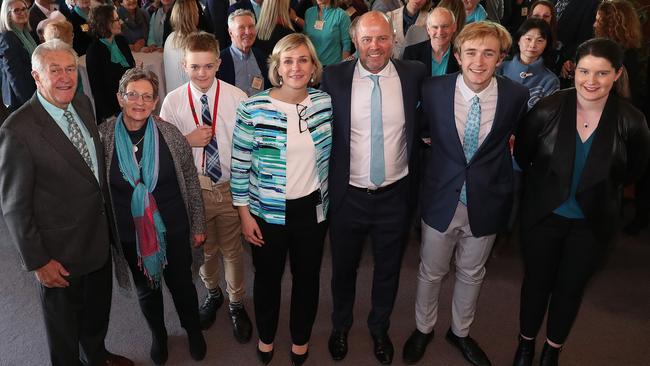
188, 182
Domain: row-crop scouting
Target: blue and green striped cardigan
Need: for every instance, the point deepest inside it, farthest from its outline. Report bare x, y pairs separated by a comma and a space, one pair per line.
259, 164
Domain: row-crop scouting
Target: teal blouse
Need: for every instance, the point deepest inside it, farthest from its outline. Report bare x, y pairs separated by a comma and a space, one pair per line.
570, 208
334, 39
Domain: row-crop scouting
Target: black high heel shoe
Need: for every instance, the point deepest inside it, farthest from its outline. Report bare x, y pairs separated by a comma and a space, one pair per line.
264, 357
550, 355
298, 360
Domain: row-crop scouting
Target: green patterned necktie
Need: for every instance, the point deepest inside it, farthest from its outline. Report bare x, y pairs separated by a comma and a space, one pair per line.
77, 139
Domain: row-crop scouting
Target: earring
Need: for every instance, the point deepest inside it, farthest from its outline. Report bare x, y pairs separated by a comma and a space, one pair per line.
280, 82
311, 81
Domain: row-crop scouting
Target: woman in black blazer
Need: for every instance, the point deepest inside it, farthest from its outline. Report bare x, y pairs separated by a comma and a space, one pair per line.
577, 148
79, 19
107, 59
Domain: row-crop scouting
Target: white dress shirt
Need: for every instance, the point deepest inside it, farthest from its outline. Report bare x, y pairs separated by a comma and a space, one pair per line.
462, 101
176, 110
394, 123
302, 177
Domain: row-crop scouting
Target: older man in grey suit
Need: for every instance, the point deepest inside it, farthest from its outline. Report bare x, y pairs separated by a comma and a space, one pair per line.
54, 201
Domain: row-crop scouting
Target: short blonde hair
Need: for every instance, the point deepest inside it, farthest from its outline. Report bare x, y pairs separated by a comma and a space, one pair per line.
60, 29
482, 30
288, 43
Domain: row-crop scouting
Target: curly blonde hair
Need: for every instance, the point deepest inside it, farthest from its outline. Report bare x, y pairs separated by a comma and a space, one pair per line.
618, 21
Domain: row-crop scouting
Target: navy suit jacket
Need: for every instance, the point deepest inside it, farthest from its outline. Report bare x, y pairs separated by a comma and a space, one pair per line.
227, 68
337, 82
422, 52
16, 67
488, 176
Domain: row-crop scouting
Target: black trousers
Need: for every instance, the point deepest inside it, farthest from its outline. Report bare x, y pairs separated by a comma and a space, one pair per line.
76, 318
178, 278
302, 237
560, 256
642, 198
385, 217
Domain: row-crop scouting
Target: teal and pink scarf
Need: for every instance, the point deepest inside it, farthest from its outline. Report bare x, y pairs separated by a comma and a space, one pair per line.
151, 245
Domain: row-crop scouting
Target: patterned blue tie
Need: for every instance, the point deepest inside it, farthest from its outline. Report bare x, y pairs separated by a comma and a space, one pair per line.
377, 166
212, 164
560, 5
470, 142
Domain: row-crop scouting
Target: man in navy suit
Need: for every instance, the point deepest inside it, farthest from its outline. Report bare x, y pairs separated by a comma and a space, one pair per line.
436, 53
243, 65
467, 185
372, 175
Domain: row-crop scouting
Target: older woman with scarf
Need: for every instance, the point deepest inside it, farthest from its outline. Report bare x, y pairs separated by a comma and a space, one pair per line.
16, 48
158, 208
107, 58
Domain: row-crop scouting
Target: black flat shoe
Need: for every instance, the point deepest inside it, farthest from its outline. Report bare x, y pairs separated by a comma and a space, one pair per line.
197, 345
338, 344
415, 346
158, 352
525, 352
297, 360
470, 350
550, 355
383, 348
264, 357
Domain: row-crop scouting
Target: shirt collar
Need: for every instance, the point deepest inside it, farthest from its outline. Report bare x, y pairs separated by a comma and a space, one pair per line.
236, 52
210, 91
46, 11
387, 72
51, 109
468, 93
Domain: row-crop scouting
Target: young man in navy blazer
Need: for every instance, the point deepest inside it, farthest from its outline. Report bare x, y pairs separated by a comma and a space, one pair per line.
467, 185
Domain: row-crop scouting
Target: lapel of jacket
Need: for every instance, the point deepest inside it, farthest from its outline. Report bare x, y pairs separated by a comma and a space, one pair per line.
51, 133
600, 155
344, 97
428, 56
447, 102
410, 104
565, 144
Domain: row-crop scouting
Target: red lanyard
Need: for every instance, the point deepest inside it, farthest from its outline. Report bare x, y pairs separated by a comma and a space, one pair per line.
214, 114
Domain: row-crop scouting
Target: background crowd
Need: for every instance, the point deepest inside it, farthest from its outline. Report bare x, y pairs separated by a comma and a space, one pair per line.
256, 136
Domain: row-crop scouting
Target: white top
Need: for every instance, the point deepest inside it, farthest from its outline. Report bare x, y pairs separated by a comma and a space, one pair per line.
487, 100
176, 110
394, 123
175, 75
302, 178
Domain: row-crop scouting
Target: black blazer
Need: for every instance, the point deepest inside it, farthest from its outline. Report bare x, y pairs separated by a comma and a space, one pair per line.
488, 176
35, 16
337, 82
266, 46
545, 150
104, 76
422, 52
16, 65
576, 25
227, 68
52, 204
217, 16
82, 38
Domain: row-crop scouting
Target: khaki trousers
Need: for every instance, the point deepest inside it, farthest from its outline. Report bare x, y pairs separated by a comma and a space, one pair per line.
223, 237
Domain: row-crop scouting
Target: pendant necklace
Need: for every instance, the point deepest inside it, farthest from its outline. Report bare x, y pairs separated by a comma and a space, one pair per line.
135, 146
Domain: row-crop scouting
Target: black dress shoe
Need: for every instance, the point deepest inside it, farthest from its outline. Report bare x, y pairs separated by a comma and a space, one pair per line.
383, 348
525, 352
469, 348
208, 310
158, 352
241, 323
550, 355
415, 346
264, 357
297, 360
635, 226
197, 345
338, 344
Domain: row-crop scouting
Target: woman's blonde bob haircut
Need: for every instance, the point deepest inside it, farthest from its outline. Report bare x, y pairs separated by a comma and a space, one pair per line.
288, 43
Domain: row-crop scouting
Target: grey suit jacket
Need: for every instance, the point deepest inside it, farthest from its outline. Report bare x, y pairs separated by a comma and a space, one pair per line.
52, 204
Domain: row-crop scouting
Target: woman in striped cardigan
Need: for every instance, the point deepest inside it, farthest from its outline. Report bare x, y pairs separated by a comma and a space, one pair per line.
280, 161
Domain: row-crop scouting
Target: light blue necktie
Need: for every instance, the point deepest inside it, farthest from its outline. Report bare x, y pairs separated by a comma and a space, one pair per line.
212, 164
377, 166
470, 142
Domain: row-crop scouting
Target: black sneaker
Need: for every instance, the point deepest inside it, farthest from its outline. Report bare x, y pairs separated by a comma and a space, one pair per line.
208, 310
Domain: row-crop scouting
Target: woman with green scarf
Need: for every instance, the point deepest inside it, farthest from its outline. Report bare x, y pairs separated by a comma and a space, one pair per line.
107, 59
16, 48
157, 204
